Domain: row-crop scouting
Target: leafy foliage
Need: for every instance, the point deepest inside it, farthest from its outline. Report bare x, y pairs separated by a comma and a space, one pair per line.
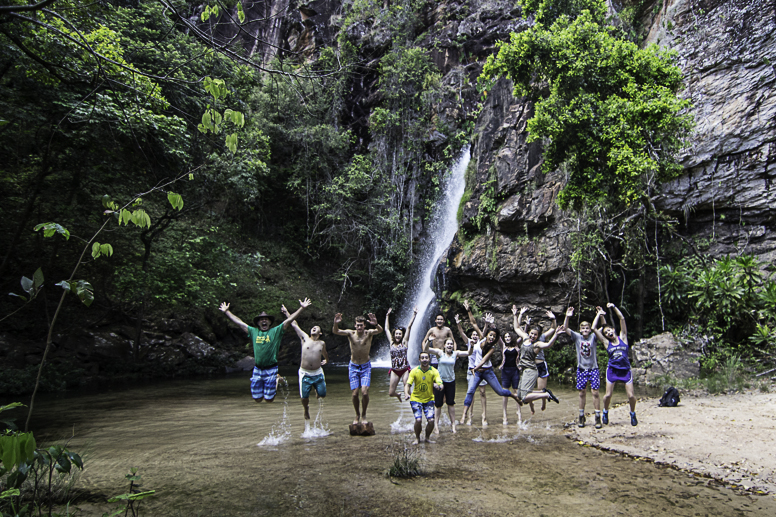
607, 109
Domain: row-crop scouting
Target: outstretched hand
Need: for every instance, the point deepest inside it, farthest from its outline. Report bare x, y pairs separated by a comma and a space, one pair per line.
284, 311
609, 305
599, 311
466, 304
560, 329
514, 310
338, 318
570, 311
458, 319
550, 315
305, 303
415, 310
389, 311
523, 310
224, 307
489, 318
372, 319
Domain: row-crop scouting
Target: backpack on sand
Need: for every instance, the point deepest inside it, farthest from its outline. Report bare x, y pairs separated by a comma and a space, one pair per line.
670, 398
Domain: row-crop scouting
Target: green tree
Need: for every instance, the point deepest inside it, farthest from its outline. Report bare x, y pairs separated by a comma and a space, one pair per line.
606, 109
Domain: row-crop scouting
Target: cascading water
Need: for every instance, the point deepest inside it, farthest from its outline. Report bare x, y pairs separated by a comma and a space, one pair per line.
441, 231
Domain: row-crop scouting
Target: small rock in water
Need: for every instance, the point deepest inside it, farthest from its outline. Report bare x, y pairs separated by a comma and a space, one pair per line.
362, 429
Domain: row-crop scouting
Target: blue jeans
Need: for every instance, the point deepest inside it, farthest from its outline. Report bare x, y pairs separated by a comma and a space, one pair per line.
490, 377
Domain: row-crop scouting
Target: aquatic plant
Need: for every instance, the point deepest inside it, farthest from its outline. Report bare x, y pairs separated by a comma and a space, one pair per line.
407, 460
130, 502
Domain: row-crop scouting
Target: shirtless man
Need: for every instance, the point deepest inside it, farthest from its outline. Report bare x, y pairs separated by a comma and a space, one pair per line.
265, 341
310, 371
359, 369
438, 334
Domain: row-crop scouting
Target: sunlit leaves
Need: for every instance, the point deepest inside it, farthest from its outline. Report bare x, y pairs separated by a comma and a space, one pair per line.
240, 12
101, 249
81, 288
138, 217
213, 120
176, 200
209, 10
50, 229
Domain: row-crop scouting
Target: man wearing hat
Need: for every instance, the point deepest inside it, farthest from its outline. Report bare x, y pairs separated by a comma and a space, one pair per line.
266, 342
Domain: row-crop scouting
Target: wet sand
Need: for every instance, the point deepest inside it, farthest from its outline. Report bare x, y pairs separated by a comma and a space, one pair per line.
731, 438
195, 442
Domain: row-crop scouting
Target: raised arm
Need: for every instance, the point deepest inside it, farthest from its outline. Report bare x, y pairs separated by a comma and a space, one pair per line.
388, 326
551, 342
460, 329
373, 321
224, 307
472, 320
569, 314
623, 327
299, 332
335, 329
425, 343
517, 321
409, 325
303, 304
598, 334
553, 325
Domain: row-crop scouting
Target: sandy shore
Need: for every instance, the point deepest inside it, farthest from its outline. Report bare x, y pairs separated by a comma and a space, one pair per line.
731, 438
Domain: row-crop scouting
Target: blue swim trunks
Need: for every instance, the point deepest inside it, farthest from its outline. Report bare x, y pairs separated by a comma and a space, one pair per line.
264, 383
359, 374
418, 408
309, 380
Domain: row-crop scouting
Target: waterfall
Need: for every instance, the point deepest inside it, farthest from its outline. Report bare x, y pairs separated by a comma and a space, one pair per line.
441, 231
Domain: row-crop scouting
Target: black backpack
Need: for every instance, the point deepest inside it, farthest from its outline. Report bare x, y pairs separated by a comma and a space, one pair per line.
670, 398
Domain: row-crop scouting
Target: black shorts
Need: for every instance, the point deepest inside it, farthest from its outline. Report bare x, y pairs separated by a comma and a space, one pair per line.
446, 395
542, 369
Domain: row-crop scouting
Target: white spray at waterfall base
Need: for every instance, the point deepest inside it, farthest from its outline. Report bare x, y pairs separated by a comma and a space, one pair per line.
281, 431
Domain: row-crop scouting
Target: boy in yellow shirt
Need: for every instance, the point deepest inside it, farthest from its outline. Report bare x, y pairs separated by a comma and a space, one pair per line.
424, 379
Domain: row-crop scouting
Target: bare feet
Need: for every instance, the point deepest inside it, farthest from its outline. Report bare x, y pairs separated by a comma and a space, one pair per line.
544, 404
415, 442
429, 440
469, 421
533, 410
484, 422
454, 431
505, 421
356, 421
307, 413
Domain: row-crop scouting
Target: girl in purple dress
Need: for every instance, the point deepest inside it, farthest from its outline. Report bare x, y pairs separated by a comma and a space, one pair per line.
619, 367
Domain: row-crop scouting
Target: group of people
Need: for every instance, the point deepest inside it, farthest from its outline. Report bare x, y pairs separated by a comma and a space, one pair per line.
431, 385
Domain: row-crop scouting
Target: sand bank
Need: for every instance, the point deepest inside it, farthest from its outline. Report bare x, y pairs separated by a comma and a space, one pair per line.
731, 438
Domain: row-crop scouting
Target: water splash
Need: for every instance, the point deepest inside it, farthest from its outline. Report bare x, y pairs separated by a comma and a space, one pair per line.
441, 232
402, 424
318, 429
498, 439
281, 431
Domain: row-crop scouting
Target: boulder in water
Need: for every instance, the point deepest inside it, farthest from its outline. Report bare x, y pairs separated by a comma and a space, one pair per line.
362, 429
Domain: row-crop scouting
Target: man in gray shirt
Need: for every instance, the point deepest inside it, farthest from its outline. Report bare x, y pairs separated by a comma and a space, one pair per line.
587, 366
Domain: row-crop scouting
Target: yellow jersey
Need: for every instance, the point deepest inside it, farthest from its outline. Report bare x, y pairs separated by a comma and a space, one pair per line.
423, 383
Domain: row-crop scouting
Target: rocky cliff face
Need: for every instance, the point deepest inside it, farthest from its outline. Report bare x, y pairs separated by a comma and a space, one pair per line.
725, 198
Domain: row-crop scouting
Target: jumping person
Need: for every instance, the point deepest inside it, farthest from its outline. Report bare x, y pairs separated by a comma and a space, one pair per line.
266, 342
359, 368
423, 379
447, 358
484, 370
471, 341
510, 375
619, 367
528, 365
310, 368
587, 365
439, 332
400, 366
541, 364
